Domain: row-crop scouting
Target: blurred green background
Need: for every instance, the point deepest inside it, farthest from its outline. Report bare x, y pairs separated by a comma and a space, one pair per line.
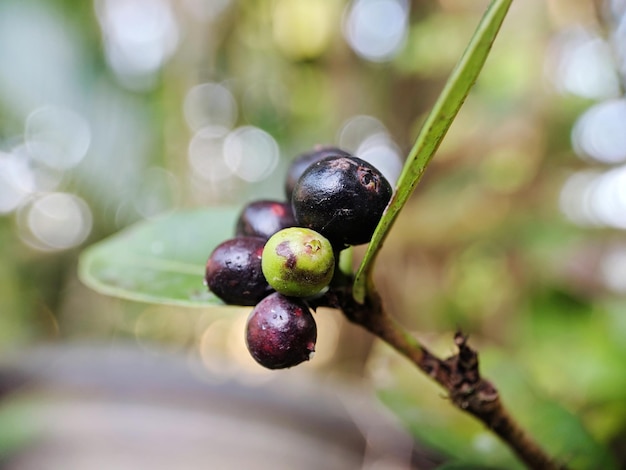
116, 111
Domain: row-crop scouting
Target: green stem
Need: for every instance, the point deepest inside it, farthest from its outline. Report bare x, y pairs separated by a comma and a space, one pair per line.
433, 131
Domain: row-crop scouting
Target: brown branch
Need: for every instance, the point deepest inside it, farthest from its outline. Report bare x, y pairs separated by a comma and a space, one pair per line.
459, 374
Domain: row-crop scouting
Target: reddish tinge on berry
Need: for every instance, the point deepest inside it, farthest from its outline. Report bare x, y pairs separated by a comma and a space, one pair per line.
264, 218
281, 332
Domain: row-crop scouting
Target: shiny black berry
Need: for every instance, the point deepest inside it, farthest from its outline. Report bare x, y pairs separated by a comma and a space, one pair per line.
281, 332
233, 271
264, 218
305, 160
343, 198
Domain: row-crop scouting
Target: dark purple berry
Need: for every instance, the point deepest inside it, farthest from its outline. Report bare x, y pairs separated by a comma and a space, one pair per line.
281, 332
264, 218
343, 198
305, 160
233, 271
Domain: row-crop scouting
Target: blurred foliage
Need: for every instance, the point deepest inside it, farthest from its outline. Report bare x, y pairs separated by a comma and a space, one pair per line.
482, 245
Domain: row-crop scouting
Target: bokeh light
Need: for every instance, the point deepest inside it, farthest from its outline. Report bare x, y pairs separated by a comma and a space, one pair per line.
384, 154
303, 29
15, 182
376, 29
581, 63
596, 198
357, 129
157, 326
205, 154
600, 132
210, 104
22, 176
368, 138
251, 153
215, 338
57, 137
55, 221
139, 37
35, 176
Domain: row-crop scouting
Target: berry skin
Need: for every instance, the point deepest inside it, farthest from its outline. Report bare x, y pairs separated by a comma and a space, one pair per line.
264, 218
298, 262
233, 271
281, 332
343, 198
305, 160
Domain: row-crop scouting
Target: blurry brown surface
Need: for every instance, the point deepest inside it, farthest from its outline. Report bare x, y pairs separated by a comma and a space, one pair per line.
122, 408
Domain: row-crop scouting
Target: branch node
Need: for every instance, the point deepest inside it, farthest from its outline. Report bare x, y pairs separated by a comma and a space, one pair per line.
458, 374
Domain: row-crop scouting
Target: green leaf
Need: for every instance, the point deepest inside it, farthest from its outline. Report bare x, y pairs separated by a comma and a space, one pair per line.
432, 133
160, 261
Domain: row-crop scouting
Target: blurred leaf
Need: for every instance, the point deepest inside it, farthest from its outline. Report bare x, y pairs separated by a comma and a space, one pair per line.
160, 261
437, 424
433, 131
559, 428
17, 430
560, 320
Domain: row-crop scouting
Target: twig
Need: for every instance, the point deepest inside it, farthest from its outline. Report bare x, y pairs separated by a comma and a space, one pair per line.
459, 374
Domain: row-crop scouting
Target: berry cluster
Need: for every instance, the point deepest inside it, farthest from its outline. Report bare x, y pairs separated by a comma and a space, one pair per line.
284, 253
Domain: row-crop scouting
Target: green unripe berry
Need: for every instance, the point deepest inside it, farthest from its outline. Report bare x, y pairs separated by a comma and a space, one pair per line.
298, 262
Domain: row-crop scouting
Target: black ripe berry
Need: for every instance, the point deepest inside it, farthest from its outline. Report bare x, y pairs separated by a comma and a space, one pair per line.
343, 198
281, 332
264, 218
233, 271
305, 160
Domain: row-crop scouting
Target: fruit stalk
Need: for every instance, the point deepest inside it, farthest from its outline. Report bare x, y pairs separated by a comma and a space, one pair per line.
458, 374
